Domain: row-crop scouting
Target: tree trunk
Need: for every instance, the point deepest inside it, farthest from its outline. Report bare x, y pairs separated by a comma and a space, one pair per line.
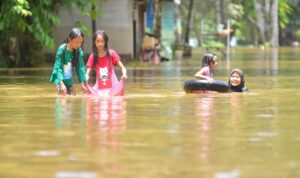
187, 51
274, 24
267, 21
220, 8
157, 22
260, 19
178, 31
253, 31
19, 41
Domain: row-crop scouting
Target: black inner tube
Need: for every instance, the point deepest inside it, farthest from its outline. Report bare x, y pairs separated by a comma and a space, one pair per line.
195, 85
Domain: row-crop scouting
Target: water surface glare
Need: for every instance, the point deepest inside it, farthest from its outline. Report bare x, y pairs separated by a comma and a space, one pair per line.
156, 130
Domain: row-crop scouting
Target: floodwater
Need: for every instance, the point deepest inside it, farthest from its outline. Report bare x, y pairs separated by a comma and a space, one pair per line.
156, 130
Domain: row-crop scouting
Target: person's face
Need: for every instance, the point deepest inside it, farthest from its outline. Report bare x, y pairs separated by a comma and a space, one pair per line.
214, 62
235, 79
100, 42
76, 42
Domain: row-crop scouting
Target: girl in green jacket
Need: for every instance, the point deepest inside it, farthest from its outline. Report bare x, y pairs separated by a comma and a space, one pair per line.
69, 58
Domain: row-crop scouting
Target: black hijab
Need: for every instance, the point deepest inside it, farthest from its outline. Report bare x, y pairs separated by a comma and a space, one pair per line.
241, 87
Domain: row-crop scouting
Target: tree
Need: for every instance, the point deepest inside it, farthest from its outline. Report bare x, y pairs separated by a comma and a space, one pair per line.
254, 22
267, 20
187, 49
220, 12
262, 21
157, 22
26, 28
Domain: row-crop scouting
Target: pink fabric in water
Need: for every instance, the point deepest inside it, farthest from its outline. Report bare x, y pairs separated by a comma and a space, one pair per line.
118, 89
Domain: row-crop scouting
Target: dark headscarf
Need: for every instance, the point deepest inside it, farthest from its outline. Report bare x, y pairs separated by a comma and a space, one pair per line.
240, 87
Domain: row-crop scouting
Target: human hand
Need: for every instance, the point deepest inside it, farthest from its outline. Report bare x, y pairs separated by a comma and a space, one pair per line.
84, 86
124, 76
210, 79
62, 88
88, 89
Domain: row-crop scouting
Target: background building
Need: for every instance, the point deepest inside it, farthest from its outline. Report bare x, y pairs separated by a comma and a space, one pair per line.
125, 21
116, 20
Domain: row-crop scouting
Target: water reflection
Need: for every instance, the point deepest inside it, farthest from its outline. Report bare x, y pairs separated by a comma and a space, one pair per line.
95, 122
270, 60
63, 112
104, 117
204, 106
107, 113
204, 111
235, 107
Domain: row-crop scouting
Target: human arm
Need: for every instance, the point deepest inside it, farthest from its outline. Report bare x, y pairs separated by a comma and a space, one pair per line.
57, 76
89, 66
85, 86
116, 60
124, 71
202, 75
87, 73
62, 88
80, 68
81, 73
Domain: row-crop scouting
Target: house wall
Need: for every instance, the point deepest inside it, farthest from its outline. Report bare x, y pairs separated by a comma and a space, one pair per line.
116, 20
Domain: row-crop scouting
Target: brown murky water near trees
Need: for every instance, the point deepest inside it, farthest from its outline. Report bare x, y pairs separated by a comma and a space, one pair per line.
156, 130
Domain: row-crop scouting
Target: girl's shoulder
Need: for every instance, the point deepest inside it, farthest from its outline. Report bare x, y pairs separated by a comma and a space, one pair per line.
91, 54
114, 55
245, 89
111, 51
205, 68
61, 48
81, 52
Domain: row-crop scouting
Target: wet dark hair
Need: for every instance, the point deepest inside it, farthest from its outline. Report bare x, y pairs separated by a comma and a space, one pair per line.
207, 59
74, 33
95, 50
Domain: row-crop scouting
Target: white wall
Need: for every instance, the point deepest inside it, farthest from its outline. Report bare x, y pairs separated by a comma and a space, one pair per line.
116, 20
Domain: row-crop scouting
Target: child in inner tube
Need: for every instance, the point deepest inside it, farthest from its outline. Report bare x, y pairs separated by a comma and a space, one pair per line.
209, 61
236, 81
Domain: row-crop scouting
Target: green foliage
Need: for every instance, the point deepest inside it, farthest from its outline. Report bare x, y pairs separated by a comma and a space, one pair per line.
294, 19
235, 11
284, 13
83, 27
213, 44
30, 22
3, 61
13, 16
298, 33
242, 15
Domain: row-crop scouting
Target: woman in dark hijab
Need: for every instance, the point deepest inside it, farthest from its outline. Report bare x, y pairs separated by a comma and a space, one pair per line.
236, 81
